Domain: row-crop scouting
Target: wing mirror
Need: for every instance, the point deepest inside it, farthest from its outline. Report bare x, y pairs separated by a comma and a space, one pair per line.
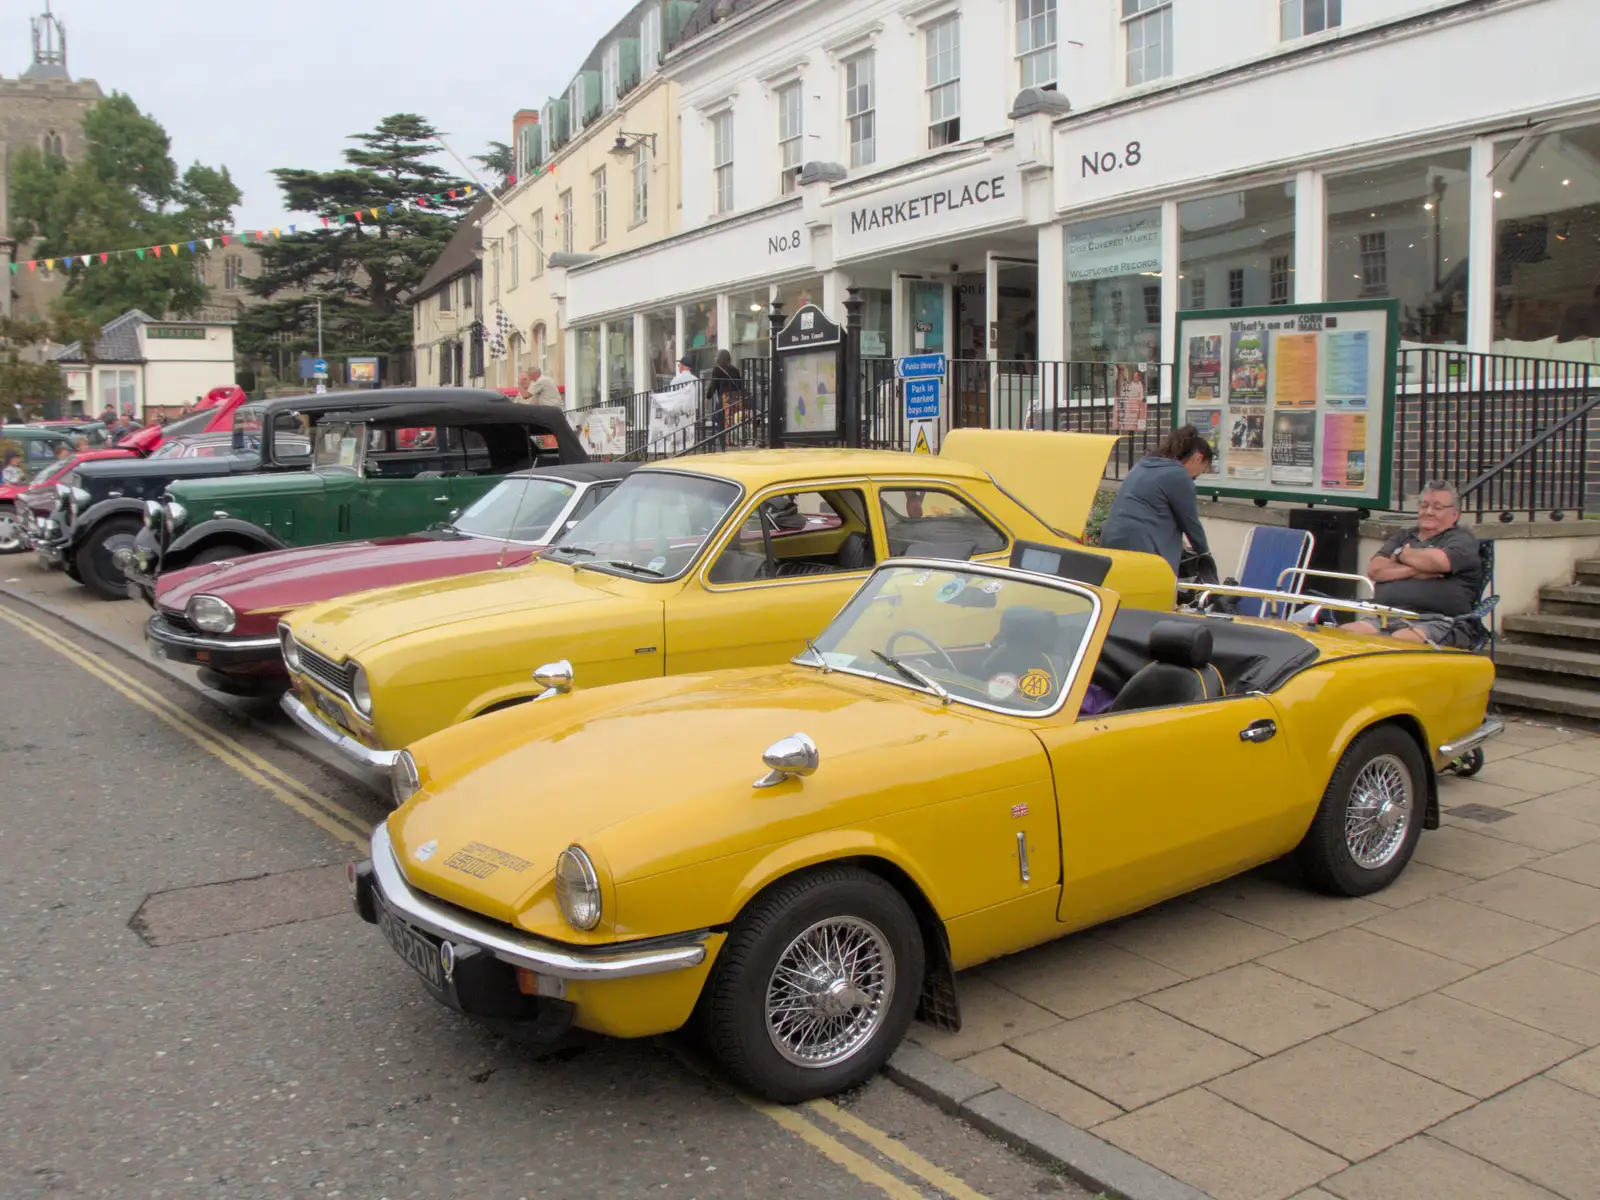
793, 757
555, 678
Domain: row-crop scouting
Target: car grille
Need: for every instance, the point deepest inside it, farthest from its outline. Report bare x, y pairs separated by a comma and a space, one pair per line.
325, 671
178, 621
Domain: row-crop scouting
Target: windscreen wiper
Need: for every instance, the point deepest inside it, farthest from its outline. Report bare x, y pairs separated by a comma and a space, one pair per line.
630, 566
817, 654
914, 675
574, 550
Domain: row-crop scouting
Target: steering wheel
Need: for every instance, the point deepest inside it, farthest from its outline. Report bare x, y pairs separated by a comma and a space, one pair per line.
927, 641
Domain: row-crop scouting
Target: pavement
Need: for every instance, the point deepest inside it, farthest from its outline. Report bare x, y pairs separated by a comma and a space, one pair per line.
1256, 1041
190, 1008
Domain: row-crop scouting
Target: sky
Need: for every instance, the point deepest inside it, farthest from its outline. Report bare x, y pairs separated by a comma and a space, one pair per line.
255, 86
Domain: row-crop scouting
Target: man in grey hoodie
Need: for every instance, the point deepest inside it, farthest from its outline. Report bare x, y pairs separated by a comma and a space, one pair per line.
1155, 508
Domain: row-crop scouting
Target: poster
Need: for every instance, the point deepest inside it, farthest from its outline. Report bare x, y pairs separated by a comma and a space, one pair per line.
1294, 376
672, 415
1349, 366
1209, 422
362, 370
604, 432
1294, 437
1205, 367
1132, 412
1344, 452
1247, 456
811, 386
1247, 368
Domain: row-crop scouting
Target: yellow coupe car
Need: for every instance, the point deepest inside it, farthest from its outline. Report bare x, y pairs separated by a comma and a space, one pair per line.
722, 560
800, 857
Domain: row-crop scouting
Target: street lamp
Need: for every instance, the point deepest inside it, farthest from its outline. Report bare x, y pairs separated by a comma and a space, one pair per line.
626, 142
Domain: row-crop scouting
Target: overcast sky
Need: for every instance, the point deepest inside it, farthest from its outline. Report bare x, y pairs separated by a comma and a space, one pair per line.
255, 86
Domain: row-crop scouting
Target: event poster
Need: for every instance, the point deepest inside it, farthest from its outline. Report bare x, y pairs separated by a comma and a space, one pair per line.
1294, 436
1133, 411
1294, 376
1247, 457
1209, 422
1247, 368
604, 432
1348, 371
1205, 367
1344, 451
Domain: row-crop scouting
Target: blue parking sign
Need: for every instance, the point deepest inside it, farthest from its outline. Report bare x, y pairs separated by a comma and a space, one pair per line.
922, 399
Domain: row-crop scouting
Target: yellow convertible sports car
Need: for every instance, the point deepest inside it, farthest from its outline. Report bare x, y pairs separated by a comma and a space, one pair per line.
799, 857
723, 560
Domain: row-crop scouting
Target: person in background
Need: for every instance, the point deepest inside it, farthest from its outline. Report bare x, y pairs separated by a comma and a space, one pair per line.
685, 373
81, 446
63, 451
13, 472
542, 389
726, 390
1432, 569
1155, 508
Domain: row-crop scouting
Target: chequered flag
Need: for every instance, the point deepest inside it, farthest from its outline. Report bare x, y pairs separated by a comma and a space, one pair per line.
503, 329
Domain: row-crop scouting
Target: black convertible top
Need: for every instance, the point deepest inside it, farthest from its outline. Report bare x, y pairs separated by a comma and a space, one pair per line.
589, 472
449, 407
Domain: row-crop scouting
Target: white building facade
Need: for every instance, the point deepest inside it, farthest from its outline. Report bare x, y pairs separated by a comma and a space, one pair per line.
1055, 179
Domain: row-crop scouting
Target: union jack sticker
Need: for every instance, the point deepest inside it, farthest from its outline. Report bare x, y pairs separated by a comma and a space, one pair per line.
1019, 810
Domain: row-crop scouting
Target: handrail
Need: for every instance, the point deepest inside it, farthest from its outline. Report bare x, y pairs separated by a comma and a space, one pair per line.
1529, 447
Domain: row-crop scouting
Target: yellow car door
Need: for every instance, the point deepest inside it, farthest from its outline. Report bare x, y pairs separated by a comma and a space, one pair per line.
1157, 802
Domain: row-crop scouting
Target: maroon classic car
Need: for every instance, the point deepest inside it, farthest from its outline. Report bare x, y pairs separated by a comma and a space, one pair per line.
223, 616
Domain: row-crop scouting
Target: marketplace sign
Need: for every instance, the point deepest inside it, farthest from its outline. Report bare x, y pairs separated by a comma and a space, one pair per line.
934, 208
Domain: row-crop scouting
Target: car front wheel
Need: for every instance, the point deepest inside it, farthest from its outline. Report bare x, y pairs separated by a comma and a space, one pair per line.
816, 984
10, 534
96, 558
1371, 815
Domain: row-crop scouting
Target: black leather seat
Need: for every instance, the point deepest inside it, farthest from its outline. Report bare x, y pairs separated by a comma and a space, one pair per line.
1182, 672
1023, 652
855, 554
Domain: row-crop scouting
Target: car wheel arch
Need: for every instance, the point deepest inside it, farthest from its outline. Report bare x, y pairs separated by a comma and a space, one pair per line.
1409, 724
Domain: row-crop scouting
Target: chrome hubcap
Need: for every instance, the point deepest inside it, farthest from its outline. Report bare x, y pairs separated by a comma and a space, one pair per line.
830, 991
1379, 813
9, 537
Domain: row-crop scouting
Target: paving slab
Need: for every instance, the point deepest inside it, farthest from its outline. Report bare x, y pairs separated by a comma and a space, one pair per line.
1042, 1088
1465, 852
1581, 864
1080, 974
1540, 829
989, 1016
1553, 902
1376, 971
1285, 907
1424, 1168
1583, 803
1526, 773
1582, 1073
1454, 929
1262, 1010
1541, 1130
1532, 989
1581, 950
1193, 939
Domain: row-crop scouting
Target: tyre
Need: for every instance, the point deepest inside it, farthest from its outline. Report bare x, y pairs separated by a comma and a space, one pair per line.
95, 558
1468, 765
10, 535
815, 986
219, 552
1367, 826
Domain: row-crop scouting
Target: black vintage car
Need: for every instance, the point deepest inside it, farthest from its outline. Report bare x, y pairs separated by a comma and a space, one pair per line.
100, 506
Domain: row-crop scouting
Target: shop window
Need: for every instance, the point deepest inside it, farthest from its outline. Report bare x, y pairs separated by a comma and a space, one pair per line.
799, 536
1297, 18
1547, 246
1147, 26
599, 179
619, 359
859, 99
927, 317
1242, 240
877, 322
722, 162
1036, 43
795, 296
641, 183
661, 344
588, 349
700, 335
791, 139
911, 516
943, 44
1152, 304
1401, 230
538, 243
1110, 263
752, 332
565, 217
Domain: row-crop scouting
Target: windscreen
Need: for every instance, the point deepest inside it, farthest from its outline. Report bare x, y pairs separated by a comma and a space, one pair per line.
521, 510
652, 526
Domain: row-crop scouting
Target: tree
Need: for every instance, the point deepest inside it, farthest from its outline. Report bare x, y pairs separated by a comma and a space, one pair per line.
499, 163
27, 386
126, 192
359, 270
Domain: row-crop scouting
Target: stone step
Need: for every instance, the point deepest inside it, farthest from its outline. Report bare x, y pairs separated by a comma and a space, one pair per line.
1575, 705
1587, 570
1570, 600
1513, 660
1552, 629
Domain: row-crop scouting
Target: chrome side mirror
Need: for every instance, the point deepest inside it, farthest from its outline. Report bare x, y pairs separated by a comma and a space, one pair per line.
793, 757
555, 678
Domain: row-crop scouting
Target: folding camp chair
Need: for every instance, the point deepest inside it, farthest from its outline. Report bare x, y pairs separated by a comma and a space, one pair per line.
1479, 625
1271, 554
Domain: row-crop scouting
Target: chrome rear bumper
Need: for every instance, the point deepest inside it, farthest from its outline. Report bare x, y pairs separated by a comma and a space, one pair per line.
1491, 727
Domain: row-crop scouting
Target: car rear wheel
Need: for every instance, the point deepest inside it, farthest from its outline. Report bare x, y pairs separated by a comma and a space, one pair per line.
816, 985
1371, 815
95, 559
10, 535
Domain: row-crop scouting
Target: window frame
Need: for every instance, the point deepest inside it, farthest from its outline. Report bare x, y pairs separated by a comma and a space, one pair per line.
868, 114
777, 491
640, 180
538, 243
650, 43
939, 488
790, 140
945, 131
610, 76
597, 178
722, 162
515, 254
494, 271
1048, 12
568, 239
1139, 13
1332, 18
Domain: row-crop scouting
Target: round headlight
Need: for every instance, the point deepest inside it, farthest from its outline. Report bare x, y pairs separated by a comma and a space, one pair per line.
404, 779
291, 652
577, 889
212, 615
152, 515
360, 691
177, 515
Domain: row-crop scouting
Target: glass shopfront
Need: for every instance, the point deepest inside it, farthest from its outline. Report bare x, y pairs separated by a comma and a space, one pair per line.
1402, 230
619, 359
927, 317
751, 334
1114, 288
700, 334
661, 343
1237, 250
877, 322
1547, 247
588, 368
795, 296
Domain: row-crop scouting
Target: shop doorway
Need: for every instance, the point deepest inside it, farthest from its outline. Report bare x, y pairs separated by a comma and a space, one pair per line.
996, 347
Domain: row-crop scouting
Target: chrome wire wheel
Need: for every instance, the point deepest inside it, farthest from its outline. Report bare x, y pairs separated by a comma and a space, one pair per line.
830, 991
10, 534
1379, 813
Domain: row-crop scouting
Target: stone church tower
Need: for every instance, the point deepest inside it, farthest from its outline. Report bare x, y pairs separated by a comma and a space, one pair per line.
43, 108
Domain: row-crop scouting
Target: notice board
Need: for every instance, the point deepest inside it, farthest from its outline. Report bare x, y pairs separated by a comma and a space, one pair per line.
1297, 400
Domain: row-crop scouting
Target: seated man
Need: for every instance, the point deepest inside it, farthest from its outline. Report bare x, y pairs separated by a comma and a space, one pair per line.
1433, 570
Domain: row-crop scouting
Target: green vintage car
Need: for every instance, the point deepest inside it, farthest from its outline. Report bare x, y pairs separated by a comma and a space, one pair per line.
375, 472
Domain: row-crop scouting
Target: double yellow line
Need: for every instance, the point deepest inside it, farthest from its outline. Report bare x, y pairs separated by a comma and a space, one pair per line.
277, 783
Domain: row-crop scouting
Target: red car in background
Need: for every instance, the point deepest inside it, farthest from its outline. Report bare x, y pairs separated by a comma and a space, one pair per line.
214, 414
12, 504
223, 616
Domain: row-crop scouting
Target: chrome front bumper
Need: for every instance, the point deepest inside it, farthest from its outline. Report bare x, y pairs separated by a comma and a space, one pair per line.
1491, 727
376, 760
523, 949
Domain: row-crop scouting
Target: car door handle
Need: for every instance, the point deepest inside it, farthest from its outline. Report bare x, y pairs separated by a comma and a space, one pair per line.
1259, 731
441, 499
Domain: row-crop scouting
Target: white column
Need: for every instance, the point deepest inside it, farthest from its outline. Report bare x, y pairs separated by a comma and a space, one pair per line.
991, 304
678, 348
569, 365
642, 381
1169, 281
605, 361
834, 284
724, 322
1310, 239
1052, 293
950, 347
899, 316
1480, 252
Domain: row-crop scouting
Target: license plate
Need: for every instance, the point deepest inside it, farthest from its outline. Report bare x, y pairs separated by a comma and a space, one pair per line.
327, 707
417, 948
